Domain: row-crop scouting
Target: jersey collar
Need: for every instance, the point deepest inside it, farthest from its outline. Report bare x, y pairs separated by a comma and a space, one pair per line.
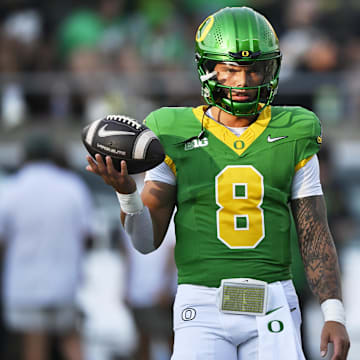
238, 144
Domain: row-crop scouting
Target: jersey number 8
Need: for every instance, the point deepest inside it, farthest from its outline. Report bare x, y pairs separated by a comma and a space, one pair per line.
239, 195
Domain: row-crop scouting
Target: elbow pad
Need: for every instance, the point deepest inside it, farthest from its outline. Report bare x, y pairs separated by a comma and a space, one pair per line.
140, 229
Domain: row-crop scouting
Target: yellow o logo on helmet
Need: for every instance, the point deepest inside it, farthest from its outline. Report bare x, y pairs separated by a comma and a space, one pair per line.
202, 32
245, 53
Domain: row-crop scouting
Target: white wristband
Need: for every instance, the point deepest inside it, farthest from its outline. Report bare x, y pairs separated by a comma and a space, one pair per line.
333, 310
130, 203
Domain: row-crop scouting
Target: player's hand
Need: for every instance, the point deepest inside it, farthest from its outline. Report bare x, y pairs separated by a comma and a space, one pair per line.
334, 332
121, 181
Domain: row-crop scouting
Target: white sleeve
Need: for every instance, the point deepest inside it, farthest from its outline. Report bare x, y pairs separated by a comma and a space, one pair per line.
161, 173
139, 228
306, 181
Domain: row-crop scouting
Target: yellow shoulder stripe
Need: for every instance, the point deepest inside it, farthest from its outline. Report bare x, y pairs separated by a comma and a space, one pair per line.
302, 163
171, 164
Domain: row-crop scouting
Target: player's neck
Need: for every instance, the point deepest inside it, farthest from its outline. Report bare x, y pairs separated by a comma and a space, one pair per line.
231, 120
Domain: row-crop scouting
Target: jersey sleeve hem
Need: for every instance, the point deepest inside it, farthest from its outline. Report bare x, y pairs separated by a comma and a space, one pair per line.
306, 181
313, 192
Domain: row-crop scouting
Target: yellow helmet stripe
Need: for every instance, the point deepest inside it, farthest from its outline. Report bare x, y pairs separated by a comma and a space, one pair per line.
200, 37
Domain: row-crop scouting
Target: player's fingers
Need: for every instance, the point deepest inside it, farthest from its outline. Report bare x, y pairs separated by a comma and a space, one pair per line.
324, 344
123, 166
92, 165
124, 170
100, 164
110, 167
338, 351
341, 348
89, 168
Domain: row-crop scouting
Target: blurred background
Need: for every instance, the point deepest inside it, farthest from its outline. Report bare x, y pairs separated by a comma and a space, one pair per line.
64, 64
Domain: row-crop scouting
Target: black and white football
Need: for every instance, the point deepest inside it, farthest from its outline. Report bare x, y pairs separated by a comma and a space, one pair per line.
123, 138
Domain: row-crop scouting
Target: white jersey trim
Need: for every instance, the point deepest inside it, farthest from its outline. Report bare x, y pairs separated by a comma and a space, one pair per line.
161, 173
306, 181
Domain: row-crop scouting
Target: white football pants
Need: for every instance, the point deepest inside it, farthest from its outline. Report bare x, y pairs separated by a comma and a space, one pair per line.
203, 332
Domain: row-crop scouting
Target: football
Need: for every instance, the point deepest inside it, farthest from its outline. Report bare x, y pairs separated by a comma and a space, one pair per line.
123, 138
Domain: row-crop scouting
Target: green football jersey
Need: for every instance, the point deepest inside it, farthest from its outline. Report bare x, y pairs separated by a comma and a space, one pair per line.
233, 218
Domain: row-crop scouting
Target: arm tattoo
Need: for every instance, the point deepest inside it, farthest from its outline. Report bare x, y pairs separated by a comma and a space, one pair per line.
317, 247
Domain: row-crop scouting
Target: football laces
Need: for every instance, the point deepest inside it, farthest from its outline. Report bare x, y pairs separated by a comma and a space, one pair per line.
126, 120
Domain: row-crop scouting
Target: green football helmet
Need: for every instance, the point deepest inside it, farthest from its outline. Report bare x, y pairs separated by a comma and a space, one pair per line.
243, 36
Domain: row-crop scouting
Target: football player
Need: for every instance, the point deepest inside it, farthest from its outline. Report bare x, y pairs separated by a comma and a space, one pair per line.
232, 168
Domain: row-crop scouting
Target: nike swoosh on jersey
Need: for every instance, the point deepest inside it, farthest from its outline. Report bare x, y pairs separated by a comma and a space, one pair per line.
270, 139
271, 311
104, 133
